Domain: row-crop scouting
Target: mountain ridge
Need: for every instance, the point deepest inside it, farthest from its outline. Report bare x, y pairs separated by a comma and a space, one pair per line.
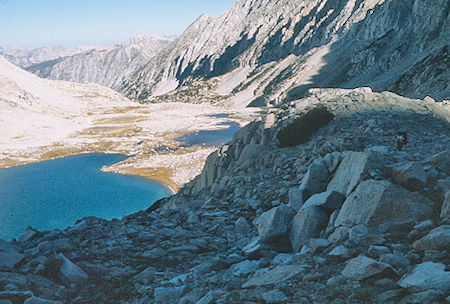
24, 57
103, 65
283, 48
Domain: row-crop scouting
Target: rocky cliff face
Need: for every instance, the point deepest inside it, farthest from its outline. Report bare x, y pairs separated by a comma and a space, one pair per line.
342, 218
273, 51
107, 66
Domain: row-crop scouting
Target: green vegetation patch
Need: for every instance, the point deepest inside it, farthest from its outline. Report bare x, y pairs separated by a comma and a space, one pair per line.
301, 129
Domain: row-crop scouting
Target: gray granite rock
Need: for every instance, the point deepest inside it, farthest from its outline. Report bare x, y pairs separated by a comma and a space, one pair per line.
363, 267
297, 196
9, 255
146, 276
341, 252
445, 210
27, 235
376, 251
209, 298
384, 205
241, 226
273, 225
244, 268
437, 239
71, 272
274, 296
36, 300
424, 297
277, 275
328, 201
318, 245
315, 180
427, 275
396, 260
352, 170
168, 294
410, 175
307, 224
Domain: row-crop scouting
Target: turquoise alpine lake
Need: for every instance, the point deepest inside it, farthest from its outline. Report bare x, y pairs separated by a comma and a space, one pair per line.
55, 194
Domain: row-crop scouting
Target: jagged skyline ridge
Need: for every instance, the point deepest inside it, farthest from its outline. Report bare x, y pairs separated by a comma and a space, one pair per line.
308, 44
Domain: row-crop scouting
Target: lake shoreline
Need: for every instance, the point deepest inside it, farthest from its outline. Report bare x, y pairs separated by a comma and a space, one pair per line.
55, 194
136, 132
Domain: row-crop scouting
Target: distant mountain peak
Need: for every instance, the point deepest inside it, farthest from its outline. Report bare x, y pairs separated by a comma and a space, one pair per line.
107, 65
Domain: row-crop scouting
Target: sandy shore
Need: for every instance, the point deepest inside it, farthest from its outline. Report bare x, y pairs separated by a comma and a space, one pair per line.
134, 130
43, 119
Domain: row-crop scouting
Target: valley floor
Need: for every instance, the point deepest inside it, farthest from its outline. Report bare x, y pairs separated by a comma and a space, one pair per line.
131, 129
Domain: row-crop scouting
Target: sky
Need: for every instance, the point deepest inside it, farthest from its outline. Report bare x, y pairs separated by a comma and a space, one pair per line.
70, 23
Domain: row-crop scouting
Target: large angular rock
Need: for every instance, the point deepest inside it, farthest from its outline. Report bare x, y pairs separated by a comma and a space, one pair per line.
352, 169
36, 300
437, 239
363, 267
241, 226
315, 180
431, 296
340, 251
396, 260
146, 276
318, 245
410, 175
275, 276
9, 255
384, 205
297, 196
328, 201
445, 211
274, 297
70, 271
426, 276
250, 151
307, 224
168, 294
27, 235
273, 225
442, 187
244, 268
213, 168
440, 161
332, 160
15, 296
256, 248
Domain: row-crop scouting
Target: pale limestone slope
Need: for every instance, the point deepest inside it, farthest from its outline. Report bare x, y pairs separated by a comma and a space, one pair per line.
35, 111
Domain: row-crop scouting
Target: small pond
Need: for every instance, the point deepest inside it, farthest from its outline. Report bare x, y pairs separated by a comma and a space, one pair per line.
56, 193
210, 137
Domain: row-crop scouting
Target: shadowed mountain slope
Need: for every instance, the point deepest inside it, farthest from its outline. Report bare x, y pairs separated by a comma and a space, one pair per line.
273, 51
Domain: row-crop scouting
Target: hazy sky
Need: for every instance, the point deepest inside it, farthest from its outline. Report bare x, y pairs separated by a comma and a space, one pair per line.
35, 23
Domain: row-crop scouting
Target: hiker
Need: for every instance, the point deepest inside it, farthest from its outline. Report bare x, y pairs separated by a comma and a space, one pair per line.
402, 139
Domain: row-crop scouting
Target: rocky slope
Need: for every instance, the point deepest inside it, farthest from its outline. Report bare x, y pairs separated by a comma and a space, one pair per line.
264, 51
24, 58
107, 66
342, 218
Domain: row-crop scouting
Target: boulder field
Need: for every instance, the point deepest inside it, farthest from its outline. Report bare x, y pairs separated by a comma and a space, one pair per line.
342, 218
